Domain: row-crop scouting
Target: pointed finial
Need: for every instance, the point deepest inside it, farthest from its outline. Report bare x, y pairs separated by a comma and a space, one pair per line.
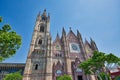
78, 32
86, 41
93, 44
91, 39
79, 35
44, 10
63, 31
48, 14
70, 28
38, 16
57, 34
44, 13
57, 37
39, 13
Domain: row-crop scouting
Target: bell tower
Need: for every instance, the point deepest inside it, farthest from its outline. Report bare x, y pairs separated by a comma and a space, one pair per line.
39, 55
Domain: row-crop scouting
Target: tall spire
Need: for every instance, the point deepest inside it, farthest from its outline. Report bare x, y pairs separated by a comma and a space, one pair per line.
45, 17
44, 13
82, 46
57, 37
70, 29
48, 17
93, 44
87, 43
63, 31
39, 13
79, 35
38, 17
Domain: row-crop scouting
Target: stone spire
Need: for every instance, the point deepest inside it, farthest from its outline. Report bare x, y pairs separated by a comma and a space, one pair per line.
87, 43
79, 35
81, 44
38, 17
63, 32
44, 13
93, 44
57, 37
48, 19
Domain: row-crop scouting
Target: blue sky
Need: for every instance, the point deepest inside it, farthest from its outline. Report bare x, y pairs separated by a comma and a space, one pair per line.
98, 19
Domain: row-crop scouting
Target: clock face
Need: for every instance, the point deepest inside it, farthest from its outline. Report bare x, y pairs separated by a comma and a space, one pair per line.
74, 47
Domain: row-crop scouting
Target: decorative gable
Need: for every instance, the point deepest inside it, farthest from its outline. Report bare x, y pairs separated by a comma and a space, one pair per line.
71, 36
57, 43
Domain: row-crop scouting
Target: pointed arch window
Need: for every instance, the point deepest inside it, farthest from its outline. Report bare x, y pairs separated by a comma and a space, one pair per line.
40, 42
78, 70
58, 72
36, 67
41, 28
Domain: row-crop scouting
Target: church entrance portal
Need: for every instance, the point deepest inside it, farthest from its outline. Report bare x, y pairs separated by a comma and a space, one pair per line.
79, 78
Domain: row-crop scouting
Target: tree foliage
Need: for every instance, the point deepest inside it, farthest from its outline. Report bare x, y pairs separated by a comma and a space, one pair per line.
97, 61
10, 42
117, 78
64, 77
95, 64
104, 76
112, 60
0, 19
13, 76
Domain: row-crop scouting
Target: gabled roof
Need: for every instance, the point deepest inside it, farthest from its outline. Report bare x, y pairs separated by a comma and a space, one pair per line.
71, 33
57, 39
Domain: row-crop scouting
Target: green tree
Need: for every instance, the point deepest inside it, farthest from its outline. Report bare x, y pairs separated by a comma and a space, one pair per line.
98, 61
117, 78
0, 19
104, 76
10, 42
64, 77
112, 60
13, 76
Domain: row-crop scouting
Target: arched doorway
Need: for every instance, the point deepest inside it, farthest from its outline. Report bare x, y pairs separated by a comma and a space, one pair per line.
57, 70
76, 71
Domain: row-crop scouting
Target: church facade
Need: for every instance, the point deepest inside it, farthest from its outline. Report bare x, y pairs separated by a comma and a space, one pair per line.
47, 59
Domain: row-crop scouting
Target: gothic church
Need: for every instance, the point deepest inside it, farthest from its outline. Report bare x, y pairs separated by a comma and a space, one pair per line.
47, 59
